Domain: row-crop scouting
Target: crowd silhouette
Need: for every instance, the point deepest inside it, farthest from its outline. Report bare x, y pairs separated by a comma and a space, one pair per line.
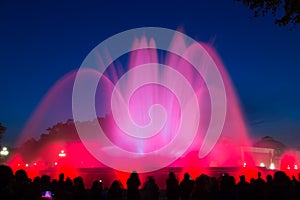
17, 186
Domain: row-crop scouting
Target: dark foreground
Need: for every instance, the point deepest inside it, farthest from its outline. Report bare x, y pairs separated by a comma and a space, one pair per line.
17, 186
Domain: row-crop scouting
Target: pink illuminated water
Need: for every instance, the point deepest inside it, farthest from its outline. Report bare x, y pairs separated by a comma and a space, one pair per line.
57, 107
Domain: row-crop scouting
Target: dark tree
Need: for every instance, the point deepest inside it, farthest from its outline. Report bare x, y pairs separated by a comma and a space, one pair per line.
2, 130
289, 8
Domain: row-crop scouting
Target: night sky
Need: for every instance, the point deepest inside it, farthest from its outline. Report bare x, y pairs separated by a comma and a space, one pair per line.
41, 41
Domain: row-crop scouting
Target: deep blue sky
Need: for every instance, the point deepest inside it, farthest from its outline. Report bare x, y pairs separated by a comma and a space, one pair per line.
41, 41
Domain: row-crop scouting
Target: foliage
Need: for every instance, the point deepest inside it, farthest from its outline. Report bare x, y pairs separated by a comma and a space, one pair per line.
58, 133
290, 10
2, 130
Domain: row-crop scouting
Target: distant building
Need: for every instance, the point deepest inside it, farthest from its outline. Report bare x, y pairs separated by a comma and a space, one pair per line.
268, 152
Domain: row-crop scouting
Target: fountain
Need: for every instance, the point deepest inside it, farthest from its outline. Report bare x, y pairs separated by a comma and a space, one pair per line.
147, 99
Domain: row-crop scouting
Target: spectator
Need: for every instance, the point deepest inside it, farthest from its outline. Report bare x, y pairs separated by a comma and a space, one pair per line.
6, 183
115, 191
150, 190
186, 187
202, 189
227, 187
22, 185
172, 189
133, 184
96, 190
243, 189
79, 192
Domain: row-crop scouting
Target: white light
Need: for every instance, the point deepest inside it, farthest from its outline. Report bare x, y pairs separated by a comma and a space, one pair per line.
244, 165
34, 164
4, 151
272, 166
19, 164
296, 167
288, 167
62, 153
262, 164
55, 163
26, 165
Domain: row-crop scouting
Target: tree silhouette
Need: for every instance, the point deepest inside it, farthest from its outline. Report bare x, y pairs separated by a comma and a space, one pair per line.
2, 130
289, 8
60, 132
60, 136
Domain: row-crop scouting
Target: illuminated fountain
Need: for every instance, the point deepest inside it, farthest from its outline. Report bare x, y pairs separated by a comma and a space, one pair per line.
170, 102
158, 105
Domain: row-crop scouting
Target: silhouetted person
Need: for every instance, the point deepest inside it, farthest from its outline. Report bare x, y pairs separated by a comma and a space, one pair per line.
269, 179
214, 188
295, 188
115, 192
259, 187
35, 186
45, 183
96, 190
59, 187
172, 187
243, 189
79, 192
150, 190
186, 187
133, 184
61, 181
259, 180
202, 188
280, 188
6, 183
227, 187
22, 185
268, 186
68, 193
